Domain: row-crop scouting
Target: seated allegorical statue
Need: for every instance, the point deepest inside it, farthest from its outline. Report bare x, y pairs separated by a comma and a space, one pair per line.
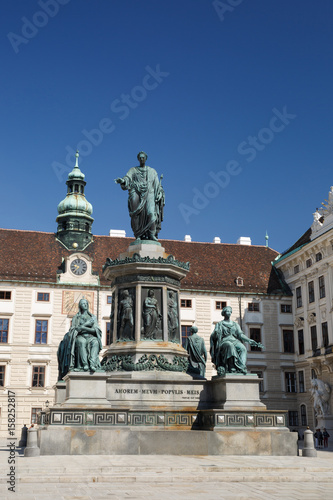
195, 346
79, 349
226, 345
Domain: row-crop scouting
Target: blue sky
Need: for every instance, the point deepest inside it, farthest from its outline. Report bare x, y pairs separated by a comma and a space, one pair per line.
232, 101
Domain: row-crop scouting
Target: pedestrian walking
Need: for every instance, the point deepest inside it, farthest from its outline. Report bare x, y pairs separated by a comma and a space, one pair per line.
325, 436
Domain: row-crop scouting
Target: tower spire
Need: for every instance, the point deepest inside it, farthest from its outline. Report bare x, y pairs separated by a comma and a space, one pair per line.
74, 219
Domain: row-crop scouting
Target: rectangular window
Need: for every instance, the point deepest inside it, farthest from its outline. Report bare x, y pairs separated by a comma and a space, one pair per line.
299, 296
301, 381
255, 334
286, 308
185, 333
34, 413
41, 331
5, 295
109, 299
314, 342
290, 381
318, 256
300, 342
220, 305
311, 292
253, 307
309, 263
108, 335
296, 269
43, 297
324, 330
4, 324
2, 375
293, 418
38, 376
186, 303
322, 291
288, 340
303, 415
261, 383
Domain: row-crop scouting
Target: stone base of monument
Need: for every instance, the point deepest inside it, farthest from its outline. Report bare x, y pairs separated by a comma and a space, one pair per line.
144, 402
162, 413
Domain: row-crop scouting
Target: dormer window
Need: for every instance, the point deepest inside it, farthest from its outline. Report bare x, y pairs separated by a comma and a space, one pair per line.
239, 281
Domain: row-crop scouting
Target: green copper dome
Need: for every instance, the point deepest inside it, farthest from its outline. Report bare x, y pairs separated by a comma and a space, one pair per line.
75, 203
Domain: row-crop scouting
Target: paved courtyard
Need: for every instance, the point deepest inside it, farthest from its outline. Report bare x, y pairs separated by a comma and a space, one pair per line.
169, 477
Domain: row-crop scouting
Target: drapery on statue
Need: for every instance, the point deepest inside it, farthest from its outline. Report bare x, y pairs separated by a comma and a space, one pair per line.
195, 346
78, 350
320, 392
173, 322
151, 316
146, 199
126, 316
226, 345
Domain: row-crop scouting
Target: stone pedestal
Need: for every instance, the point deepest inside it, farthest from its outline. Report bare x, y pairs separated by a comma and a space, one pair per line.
144, 271
237, 392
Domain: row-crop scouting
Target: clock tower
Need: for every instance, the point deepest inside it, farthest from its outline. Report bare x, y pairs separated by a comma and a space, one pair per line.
74, 219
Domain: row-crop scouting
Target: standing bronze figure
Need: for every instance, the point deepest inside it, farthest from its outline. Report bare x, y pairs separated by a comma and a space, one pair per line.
146, 199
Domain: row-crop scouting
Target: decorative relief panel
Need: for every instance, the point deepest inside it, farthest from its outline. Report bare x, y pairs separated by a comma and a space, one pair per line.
199, 420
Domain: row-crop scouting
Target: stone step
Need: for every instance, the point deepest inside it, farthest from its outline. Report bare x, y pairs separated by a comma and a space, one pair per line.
71, 474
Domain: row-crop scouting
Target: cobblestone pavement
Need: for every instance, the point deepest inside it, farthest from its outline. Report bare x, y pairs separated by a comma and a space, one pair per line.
169, 477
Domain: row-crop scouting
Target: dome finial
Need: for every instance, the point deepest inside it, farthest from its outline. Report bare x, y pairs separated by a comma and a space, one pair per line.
77, 159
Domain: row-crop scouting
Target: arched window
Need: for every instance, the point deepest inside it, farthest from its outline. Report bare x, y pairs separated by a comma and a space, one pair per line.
303, 415
313, 373
76, 188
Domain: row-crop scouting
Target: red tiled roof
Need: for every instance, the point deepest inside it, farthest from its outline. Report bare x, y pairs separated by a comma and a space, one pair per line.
36, 256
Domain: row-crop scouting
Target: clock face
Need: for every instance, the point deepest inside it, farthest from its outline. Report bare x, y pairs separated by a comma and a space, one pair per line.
78, 267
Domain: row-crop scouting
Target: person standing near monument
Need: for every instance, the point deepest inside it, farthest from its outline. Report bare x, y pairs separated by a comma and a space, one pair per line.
325, 436
78, 351
226, 345
195, 346
146, 199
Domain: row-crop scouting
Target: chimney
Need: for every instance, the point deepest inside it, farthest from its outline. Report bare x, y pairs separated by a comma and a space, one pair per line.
244, 240
118, 233
187, 237
217, 239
